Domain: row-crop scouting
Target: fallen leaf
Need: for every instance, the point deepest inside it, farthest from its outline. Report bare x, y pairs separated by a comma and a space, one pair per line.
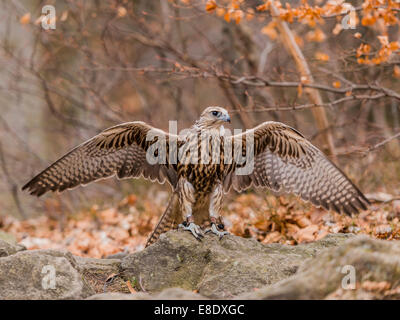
376, 286
128, 284
25, 19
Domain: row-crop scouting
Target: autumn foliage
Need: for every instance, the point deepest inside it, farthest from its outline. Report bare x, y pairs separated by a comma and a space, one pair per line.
99, 232
114, 61
381, 13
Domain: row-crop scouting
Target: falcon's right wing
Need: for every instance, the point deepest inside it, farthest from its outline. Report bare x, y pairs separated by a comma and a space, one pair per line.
119, 150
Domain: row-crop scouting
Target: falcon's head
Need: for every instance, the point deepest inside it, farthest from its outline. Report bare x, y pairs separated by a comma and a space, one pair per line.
213, 117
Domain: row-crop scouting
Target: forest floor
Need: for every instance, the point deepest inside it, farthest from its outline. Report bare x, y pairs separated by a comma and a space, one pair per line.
99, 232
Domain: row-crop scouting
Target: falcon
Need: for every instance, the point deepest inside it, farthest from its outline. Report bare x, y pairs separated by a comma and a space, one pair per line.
202, 165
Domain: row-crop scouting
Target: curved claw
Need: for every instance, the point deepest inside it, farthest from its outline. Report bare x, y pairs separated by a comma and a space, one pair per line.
215, 230
194, 229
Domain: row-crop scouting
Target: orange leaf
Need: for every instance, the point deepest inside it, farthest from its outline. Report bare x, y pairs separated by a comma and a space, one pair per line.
64, 16
376, 286
336, 30
321, 56
227, 17
270, 31
306, 234
25, 19
128, 284
303, 222
396, 71
363, 49
299, 90
263, 7
316, 35
272, 237
220, 12
250, 14
368, 20
237, 15
121, 12
211, 6
394, 45
292, 228
299, 40
336, 84
384, 40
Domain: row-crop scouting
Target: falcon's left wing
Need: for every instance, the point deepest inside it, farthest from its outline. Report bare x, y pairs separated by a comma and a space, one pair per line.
284, 161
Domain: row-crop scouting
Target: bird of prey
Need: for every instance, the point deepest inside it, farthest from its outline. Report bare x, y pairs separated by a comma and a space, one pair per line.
283, 160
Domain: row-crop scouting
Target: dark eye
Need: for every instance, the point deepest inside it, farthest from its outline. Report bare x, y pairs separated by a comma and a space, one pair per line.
215, 113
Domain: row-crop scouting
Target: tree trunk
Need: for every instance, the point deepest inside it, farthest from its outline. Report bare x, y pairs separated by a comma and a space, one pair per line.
313, 94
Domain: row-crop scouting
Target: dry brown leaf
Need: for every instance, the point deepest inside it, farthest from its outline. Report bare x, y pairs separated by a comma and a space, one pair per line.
376, 286
130, 288
272, 237
303, 222
292, 229
306, 234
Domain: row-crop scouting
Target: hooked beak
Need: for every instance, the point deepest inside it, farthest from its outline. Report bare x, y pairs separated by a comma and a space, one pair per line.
226, 118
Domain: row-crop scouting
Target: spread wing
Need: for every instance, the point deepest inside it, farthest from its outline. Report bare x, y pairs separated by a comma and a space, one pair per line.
119, 150
284, 161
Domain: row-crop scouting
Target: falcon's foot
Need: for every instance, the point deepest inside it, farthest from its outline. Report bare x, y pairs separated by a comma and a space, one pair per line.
193, 228
214, 229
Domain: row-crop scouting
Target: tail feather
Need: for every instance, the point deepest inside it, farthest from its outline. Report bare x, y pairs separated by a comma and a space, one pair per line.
169, 220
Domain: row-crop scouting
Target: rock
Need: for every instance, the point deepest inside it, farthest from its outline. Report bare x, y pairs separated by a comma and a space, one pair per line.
118, 255
167, 294
7, 237
7, 249
375, 264
119, 296
216, 268
41, 274
101, 274
180, 267
21, 274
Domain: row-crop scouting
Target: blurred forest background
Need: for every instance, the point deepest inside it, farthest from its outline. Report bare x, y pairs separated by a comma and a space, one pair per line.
331, 69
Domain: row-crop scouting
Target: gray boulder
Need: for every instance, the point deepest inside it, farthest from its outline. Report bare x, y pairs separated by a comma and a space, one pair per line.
7, 249
180, 267
41, 274
373, 265
217, 268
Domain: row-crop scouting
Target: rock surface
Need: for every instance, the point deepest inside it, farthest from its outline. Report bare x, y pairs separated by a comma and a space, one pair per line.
167, 294
7, 249
180, 267
373, 264
216, 268
7, 237
41, 274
